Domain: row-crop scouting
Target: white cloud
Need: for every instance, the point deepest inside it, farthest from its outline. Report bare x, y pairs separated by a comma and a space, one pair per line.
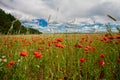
68, 9
30, 7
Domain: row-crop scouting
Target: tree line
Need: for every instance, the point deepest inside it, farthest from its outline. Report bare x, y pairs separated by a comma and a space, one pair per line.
10, 25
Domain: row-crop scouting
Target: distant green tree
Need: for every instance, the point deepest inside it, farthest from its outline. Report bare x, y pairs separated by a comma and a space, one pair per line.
10, 25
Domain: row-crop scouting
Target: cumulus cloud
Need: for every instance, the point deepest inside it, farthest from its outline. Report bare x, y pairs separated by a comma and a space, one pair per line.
31, 7
63, 9
106, 8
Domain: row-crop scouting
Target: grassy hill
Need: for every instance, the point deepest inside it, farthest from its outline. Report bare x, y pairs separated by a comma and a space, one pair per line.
10, 25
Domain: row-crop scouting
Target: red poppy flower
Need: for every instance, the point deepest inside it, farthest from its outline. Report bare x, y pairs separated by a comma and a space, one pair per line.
116, 42
82, 60
23, 54
118, 60
57, 44
40, 48
118, 36
102, 55
38, 55
106, 35
111, 37
87, 48
59, 40
79, 45
30, 42
35, 53
101, 63
61, 46
104, 39
90, 41
10, 63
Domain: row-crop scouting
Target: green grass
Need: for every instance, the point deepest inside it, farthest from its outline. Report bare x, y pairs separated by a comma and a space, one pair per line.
59, 63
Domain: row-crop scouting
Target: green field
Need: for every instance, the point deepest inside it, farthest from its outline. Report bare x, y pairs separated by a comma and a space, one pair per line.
60, 57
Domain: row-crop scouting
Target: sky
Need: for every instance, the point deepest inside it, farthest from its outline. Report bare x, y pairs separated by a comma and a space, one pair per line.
63, 10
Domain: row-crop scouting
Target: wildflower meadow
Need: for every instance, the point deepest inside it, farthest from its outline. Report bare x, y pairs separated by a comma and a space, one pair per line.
60, 57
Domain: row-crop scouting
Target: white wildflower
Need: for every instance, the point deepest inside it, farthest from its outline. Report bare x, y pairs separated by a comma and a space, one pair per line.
4, 60
3, 57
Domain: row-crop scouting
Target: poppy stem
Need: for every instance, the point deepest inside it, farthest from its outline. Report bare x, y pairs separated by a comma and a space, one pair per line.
102, 73
81, 74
